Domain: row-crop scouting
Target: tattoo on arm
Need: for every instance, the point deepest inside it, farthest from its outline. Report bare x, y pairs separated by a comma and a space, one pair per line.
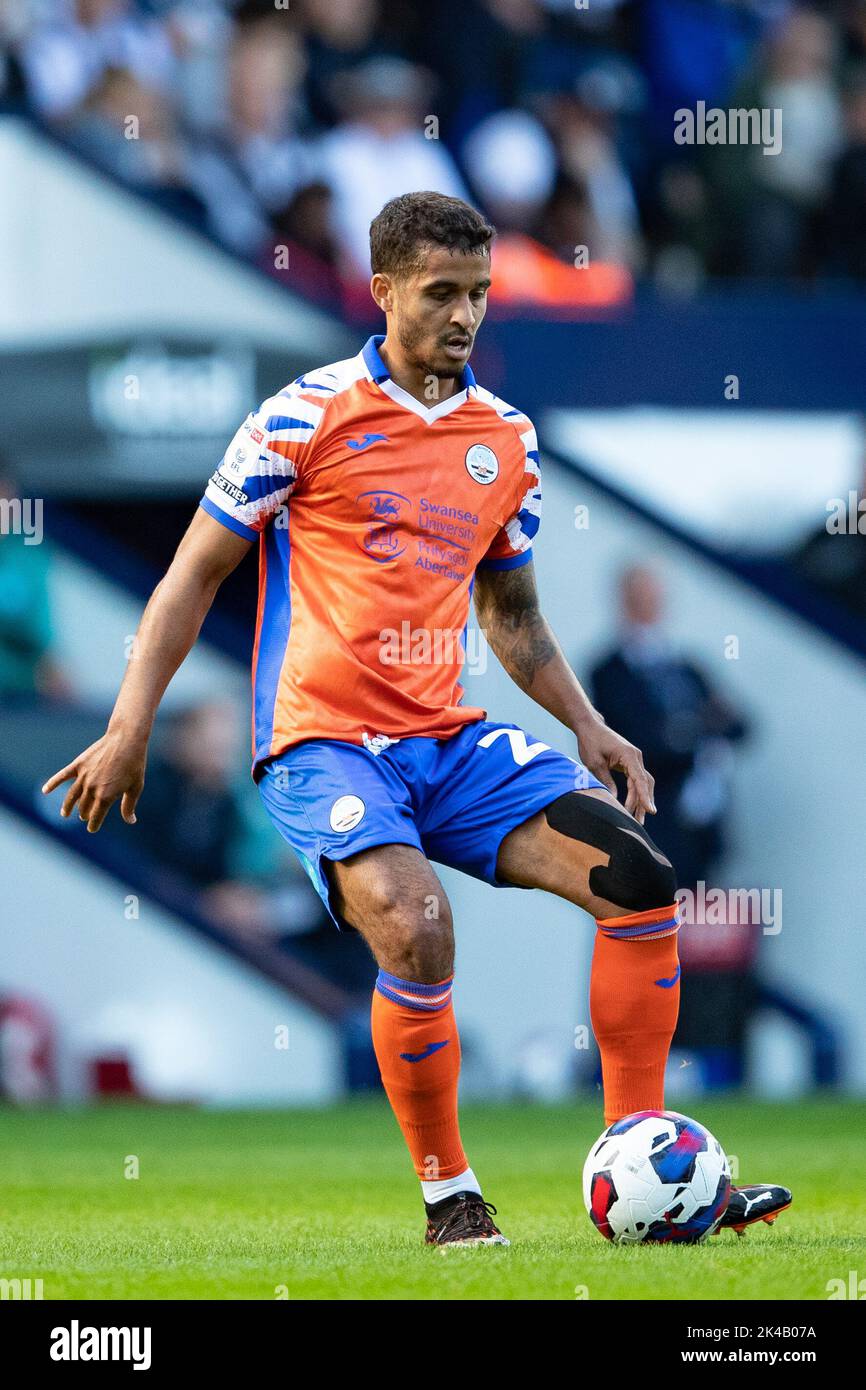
506, 603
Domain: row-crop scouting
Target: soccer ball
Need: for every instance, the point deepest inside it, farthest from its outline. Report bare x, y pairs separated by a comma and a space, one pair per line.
656, 1176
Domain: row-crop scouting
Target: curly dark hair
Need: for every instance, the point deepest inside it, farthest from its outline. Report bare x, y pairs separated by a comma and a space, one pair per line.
399, 234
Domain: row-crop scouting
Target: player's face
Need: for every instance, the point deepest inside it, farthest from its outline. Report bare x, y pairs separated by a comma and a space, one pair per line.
438, 310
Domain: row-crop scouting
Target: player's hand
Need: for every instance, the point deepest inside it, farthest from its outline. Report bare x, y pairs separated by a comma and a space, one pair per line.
110, 768
603, 752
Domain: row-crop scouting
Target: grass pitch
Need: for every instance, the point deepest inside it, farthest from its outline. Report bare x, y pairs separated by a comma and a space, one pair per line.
324, 1205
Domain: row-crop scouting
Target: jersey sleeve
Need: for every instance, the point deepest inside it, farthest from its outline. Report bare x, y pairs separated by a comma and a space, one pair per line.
262, 464
512, 545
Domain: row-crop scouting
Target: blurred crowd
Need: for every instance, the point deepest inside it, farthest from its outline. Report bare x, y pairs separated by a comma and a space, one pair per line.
282, 126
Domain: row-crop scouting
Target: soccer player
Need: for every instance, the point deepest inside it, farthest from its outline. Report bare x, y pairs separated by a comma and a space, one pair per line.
384, 492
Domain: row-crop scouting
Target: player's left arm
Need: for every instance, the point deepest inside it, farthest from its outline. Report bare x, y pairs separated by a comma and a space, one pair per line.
508, 610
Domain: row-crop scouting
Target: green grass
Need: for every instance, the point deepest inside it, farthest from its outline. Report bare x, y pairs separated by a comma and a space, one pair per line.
236, 1204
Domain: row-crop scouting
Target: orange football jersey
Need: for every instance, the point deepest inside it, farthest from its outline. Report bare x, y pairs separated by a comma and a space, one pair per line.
372, 512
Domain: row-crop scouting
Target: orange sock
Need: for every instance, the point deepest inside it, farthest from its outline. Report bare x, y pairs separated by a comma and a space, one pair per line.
634, 999
418, 1051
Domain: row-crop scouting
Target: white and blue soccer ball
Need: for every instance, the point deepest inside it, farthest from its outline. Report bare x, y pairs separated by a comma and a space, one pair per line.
656, 1176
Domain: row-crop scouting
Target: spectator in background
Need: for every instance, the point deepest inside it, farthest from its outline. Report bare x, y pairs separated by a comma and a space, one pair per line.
13, 31
340, 35
66, 56
28, 666
774, 200
482, 52
305, 227
125, 126
680, 228
564, 221
201, 33
380, 152
265, 108
129, 129
202, 826
190, 819
844, 231
834, 559
666, 705
196, 825
511, 162
584, 133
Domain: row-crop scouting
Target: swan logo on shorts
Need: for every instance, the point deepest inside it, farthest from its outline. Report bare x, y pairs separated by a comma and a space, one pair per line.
482, 464
346, 813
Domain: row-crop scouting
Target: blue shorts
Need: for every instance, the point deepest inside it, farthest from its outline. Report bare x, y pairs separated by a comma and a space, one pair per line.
454, 799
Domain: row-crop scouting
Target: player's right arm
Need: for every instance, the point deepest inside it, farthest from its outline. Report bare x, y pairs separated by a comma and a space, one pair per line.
113, 767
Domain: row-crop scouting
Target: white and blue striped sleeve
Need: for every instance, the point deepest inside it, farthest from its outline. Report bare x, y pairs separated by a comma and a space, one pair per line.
513, 544
262, 464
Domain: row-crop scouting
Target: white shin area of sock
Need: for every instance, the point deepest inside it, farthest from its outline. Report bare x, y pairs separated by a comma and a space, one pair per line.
449, 1187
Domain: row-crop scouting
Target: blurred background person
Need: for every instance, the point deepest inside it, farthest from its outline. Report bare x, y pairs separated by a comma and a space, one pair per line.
266, 111
833, 556
583, 123
73, 43
512, 164
381, 150
843, 232
127, 128
339, 36
771, 202
191, 820
202, 824
667, 706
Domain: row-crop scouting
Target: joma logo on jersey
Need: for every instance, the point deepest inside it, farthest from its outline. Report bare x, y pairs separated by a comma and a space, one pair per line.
367, 441
381, 539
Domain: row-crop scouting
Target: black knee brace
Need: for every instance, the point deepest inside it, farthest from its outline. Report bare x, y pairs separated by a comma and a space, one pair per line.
637, 875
